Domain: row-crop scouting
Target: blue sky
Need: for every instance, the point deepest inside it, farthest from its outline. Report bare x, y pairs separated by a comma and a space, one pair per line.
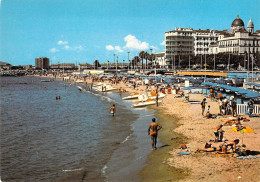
80, 31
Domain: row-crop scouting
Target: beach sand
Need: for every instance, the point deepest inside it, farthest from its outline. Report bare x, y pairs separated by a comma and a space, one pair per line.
183, 123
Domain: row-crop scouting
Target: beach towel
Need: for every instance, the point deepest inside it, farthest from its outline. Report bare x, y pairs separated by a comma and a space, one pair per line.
184, 153
247, 157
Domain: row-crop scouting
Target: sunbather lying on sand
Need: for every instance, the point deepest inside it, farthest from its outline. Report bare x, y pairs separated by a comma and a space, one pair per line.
232, 121
232, 144
209, 148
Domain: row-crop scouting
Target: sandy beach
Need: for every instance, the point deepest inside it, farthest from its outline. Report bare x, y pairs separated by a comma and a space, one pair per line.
183, 123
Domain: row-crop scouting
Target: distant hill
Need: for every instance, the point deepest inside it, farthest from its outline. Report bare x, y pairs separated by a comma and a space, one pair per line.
3, 63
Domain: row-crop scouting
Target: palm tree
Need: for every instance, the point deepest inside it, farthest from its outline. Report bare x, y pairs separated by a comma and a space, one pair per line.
142, 56
96, 64
146, 56
135, 60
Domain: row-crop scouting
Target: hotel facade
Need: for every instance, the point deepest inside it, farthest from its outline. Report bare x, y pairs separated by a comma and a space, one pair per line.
187, 41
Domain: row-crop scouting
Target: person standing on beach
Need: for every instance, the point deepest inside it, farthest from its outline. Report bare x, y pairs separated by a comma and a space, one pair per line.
250, 105
113, 110
203, 105
153, 132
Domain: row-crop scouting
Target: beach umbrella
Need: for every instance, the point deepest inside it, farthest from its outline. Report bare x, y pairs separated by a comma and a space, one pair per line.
243, 131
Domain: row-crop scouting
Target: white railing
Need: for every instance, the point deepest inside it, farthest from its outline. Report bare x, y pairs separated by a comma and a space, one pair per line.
243, 108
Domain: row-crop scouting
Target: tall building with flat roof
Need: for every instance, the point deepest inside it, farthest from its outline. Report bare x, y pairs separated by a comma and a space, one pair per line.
186, 41
42, 63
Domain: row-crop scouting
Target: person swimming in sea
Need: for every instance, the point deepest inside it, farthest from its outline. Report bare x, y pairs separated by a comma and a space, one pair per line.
153, 132
113, 110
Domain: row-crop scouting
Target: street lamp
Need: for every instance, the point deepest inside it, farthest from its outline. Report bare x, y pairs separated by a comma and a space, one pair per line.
114, 58
151, 54
128, 60
107, 64
116, 64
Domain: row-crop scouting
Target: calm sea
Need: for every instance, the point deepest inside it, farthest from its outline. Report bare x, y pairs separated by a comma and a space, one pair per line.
71, 139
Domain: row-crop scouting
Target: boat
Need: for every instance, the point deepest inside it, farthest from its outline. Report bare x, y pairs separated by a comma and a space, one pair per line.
133, 96
146, 103
80, 88
153, 95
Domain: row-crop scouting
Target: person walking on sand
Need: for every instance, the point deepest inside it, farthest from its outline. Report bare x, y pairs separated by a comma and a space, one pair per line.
153, 132
113, 110
203, 105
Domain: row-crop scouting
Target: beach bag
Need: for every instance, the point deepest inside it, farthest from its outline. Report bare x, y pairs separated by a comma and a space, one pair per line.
183, 146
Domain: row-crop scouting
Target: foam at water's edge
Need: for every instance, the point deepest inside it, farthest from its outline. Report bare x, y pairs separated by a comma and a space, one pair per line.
70, 170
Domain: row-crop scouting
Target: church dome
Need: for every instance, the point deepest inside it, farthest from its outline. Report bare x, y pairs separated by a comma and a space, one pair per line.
237, 22
250, 24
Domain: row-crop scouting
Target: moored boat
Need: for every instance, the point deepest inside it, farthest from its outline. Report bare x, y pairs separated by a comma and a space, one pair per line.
134, 96
146, 103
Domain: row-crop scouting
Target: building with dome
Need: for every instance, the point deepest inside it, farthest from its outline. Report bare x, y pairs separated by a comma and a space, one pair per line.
187, 41
237, 25
240, 41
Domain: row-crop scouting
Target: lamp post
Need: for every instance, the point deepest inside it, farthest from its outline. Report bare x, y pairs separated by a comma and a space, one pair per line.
151, 54
116, 64
205, 66
114, 58
128, 60
107, 64
154, 64
201, 62
174, 63
189, 62
253, 58
214, 61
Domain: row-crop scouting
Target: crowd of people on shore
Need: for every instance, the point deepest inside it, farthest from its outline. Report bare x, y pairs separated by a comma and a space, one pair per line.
227, 106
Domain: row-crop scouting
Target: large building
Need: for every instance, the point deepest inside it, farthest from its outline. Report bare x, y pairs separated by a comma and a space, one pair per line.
186, 41
240, 41
42, 63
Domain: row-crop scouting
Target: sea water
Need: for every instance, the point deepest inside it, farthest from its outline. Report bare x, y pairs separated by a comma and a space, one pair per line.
71, 139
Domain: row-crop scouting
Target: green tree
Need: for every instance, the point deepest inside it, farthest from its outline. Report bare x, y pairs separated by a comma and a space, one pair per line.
142, 56
96, 64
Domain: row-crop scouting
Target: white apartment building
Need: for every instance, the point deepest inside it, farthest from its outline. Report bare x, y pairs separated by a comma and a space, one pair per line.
179, 42
186, 41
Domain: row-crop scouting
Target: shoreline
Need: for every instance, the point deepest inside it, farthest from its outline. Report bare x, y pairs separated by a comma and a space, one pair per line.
157, 168
189, 127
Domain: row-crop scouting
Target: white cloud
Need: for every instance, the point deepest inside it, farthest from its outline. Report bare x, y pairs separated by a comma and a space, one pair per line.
79, 48
133, 43
163, 43
53, 50
60, 42
110, 48
118, 49
66, 47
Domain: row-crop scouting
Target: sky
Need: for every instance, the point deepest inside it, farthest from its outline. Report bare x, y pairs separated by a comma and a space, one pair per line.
82, 31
